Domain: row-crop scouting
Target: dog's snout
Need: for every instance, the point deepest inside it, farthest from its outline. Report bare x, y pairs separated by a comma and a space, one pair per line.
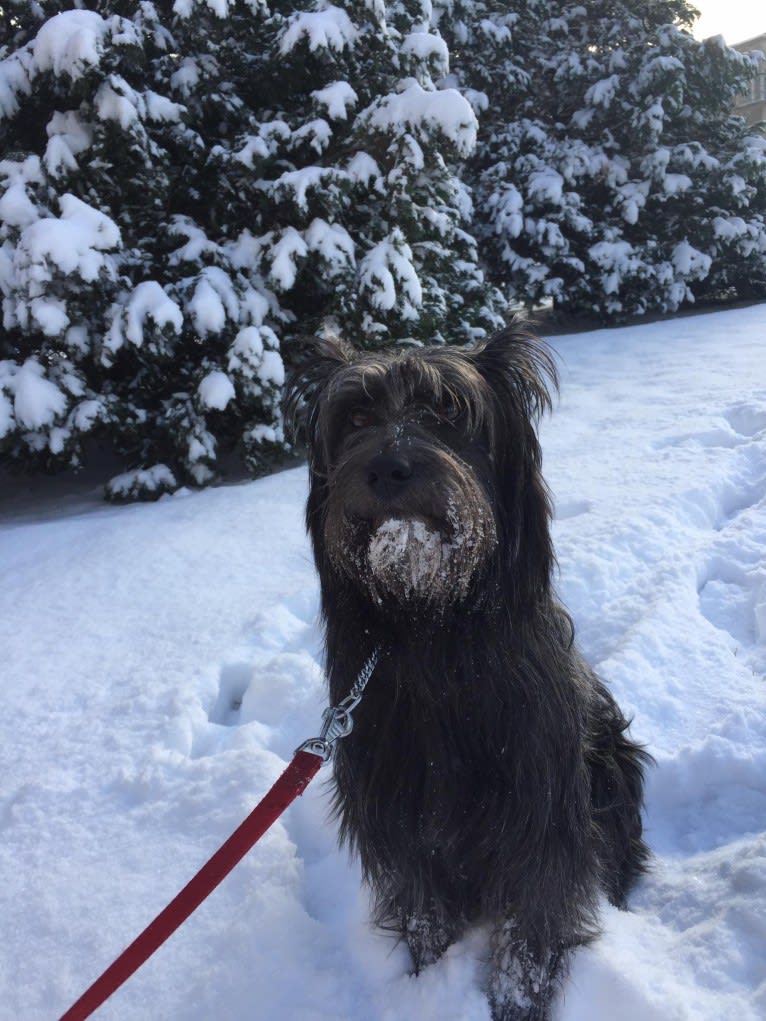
389, 472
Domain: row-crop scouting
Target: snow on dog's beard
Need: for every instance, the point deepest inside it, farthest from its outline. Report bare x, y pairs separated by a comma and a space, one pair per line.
407, 556
407, 561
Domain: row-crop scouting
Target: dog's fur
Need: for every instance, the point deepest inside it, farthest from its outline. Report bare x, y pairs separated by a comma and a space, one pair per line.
489, 776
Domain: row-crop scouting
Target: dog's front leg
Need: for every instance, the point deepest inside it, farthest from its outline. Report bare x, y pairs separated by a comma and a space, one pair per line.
428, 936
522, 975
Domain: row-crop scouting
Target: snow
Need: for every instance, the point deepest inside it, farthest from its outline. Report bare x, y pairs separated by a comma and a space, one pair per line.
266, 433
603, 92
404, 557
387, 274
286, 255
216, 390
332, 242
272, 369
676, 184
690, 262
16, 208
430, 49
157, 479
69, 136
16, 72
148, 300
330, 28
75, 242
617, 256
729, 227
299, 183
187, 77
546, 185
160, 108
255, 356
184, 8
7, 421
737, 185
362, 168
37, 401
50, 315
633, 196
161, 662
336, 98
444, 110
214, 298
70, 43
197, 242
266, 143
116, 101
408, 547
247, 348
508, 206
317, 134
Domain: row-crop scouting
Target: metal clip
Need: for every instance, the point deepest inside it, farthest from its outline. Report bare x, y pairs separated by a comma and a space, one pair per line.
337, 720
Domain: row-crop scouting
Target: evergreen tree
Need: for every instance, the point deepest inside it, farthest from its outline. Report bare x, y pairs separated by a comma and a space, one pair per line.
609, 174
187, 188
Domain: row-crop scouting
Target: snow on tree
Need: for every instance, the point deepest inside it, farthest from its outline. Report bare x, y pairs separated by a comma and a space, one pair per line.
609, 175
371, 227
187, 188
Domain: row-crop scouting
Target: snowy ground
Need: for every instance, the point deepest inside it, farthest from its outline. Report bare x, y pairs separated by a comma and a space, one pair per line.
161, 662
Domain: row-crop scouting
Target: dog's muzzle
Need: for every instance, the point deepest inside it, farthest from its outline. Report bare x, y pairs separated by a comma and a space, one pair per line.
410, 525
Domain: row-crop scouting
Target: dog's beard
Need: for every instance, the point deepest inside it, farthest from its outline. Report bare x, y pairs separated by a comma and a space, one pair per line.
407, 554
409, 557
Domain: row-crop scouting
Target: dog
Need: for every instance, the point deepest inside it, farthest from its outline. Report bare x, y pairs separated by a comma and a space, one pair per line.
489, 778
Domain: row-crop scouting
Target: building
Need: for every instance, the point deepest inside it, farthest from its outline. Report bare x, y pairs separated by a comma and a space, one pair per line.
752, 105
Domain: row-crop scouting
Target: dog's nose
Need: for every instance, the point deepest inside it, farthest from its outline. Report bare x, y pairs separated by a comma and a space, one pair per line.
388, 473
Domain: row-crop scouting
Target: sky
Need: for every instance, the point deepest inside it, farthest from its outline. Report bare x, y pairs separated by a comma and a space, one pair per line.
735, 20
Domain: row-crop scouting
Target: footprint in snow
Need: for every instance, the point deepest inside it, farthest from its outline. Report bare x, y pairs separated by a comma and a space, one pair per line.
274, 678
733, 427
233, 683
732, 579
748, 418
712, 792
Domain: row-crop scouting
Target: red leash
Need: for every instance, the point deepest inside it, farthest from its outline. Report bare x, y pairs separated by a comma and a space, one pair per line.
336, 723
292, 782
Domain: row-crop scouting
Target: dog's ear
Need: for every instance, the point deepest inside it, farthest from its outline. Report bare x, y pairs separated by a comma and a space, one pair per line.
321, 358
519, 366
519, 369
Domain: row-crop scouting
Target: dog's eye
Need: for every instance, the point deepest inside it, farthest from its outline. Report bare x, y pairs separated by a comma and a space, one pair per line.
450, 410
361, 419
447, 410
436, 413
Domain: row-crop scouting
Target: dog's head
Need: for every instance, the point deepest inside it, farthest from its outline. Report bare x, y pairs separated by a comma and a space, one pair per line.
426, 490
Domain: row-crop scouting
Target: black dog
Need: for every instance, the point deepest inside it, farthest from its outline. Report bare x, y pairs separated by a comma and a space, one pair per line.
489, 777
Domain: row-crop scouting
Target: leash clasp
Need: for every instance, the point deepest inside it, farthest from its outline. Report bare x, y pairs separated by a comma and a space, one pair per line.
337, 720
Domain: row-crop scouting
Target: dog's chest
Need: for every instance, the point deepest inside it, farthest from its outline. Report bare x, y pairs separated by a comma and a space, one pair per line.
430, 756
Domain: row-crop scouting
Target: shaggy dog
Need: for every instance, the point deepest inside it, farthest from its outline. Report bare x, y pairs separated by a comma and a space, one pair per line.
489, 777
